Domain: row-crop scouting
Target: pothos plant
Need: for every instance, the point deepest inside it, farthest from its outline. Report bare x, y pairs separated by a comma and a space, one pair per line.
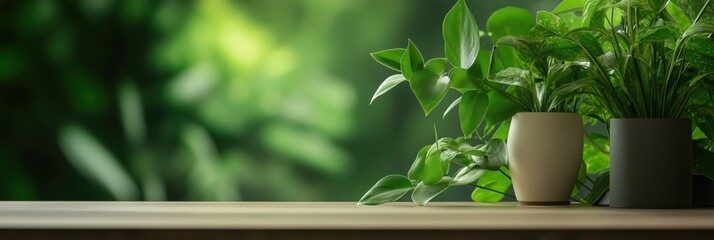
533, 81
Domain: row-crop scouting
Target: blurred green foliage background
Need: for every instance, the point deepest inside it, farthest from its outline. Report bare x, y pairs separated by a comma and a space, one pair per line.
211, 100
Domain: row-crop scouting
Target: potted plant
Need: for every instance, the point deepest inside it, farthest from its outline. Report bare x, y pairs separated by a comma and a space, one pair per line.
545, 147
648, 63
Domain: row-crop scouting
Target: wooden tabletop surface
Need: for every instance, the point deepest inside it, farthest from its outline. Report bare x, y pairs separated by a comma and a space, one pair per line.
341, 216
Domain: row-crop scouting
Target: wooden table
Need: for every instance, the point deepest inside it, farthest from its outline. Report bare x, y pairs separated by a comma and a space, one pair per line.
343, 221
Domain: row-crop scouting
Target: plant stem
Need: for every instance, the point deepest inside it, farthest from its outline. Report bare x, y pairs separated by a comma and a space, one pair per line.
592, 142
493, 190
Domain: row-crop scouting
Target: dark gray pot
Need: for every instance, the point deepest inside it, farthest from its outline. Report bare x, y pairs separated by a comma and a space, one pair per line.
650, 163
703, 191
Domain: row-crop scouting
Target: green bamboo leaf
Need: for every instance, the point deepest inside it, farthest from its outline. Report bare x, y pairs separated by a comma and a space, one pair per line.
412, 61
461, 36
493, 180
388, 189
423, 193
429, 89
390, 58
416, 171
472, 111
388, 84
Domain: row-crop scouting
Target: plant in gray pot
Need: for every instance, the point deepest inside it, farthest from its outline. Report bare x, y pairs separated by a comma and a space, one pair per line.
648, 66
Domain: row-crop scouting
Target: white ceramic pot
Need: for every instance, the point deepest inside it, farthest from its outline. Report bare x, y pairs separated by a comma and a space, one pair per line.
544, 156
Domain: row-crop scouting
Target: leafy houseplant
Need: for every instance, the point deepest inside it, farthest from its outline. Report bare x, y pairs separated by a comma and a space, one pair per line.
539, 84
648, 66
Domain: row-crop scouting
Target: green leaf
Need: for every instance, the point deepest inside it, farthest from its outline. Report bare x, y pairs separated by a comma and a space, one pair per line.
658, 32
412, 61
703, 158
452, 106
600, 186
700, 53
388, 84
509, 21
502, 131
436, 65
416, 171
548, 25
390, 58
699, 28
692, 8
462, 81
500, 109
433, 172
461, 36
494, 180
593, 15
94, 161
511, 76
388, 189
496, 155
596, 153
472, 111
429, 89
679, 16
566, 5
424, 193
467, 175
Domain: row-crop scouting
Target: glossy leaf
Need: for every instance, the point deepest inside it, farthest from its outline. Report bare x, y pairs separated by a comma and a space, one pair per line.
659, 32
547, 25
700, 53
593, 13
691, 8
566, 5
509, 21
416, 171
461, 36
429, 89
467, 175
511, 76
462, 81
388, 84
436, 65
423, 193
412, 61
500, 109
472, 111
452, 106
389, 189
496, 155
433, 172
679, 16
390, 58
494, 180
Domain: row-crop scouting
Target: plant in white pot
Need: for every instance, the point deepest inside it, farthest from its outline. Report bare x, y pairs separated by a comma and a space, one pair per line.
546, 147
648, 66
